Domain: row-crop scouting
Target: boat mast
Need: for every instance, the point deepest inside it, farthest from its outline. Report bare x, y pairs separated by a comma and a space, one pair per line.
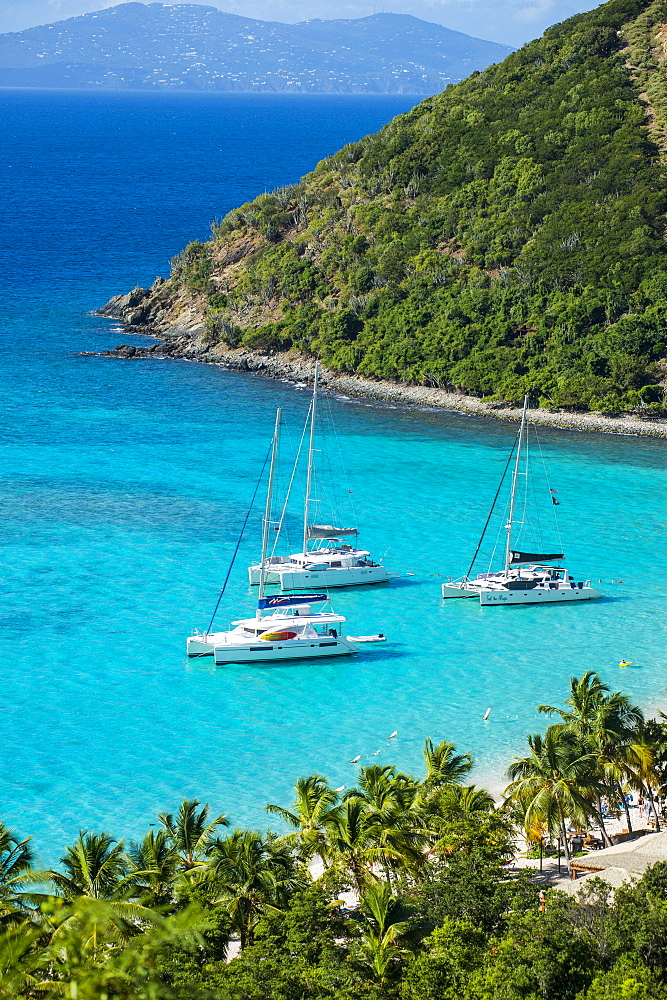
309, 476
267, 511
522, 432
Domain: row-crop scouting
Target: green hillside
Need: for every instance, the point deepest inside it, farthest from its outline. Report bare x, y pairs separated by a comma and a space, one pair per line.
506, 235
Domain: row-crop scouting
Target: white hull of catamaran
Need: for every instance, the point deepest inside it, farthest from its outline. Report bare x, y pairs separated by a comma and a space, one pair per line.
270, 576
537, 595
202, 644
458, 590
346, 576
294, 649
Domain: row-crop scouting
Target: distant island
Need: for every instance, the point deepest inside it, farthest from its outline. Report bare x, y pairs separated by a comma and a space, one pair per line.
188, 47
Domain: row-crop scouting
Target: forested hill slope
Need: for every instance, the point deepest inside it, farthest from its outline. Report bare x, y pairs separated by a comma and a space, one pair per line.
506, 235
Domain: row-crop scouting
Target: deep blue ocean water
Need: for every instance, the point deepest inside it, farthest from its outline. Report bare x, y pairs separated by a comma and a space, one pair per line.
124, 485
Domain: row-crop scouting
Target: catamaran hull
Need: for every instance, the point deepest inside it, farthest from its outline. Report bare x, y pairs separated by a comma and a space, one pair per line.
538, 595
458, 590
299, 649
352, 576
254, 573
196, 647
201, 644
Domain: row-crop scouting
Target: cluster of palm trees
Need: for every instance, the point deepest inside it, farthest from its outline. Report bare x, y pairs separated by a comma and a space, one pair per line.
585, 764
388, 825
387, 832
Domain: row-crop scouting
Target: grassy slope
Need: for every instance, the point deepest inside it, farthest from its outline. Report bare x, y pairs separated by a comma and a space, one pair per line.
506, 235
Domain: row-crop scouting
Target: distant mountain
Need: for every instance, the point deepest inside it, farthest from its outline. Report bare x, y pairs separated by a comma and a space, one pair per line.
189, 47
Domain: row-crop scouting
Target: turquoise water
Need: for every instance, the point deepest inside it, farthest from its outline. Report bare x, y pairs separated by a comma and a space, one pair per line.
124, 485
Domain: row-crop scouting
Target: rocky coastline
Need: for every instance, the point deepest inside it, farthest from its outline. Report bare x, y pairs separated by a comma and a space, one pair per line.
181, 335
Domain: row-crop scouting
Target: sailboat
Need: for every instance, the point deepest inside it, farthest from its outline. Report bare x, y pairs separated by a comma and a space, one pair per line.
326, 559
282, 628
527, 577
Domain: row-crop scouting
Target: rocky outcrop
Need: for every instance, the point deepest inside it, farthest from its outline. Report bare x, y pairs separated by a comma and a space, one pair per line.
130, 308
161, 310
127, 351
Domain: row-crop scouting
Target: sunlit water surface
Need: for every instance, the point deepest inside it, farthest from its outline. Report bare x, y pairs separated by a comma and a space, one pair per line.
124, 486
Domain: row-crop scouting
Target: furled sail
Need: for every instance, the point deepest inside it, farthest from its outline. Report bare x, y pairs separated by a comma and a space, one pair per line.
290, 600
533, 557
329, 531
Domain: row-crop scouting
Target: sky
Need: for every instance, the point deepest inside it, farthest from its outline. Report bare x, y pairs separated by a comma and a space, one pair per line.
512, 22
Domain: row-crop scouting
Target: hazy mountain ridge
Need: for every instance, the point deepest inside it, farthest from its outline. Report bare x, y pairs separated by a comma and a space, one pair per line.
190, 47
506, 236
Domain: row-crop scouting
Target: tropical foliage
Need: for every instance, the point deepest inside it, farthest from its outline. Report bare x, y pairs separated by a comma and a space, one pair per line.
396, 888
505, 236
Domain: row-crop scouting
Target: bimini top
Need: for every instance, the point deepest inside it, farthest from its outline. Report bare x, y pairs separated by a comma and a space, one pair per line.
533, 557
329, 531
293, 620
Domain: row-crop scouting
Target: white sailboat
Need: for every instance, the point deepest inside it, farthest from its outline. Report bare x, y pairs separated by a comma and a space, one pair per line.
527, 577
329, 561
291, 631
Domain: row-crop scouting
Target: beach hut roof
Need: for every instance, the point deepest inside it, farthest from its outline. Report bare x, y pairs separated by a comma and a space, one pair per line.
613, 876
634, 856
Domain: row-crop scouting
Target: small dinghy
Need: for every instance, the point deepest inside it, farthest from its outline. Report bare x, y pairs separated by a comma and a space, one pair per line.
367, 638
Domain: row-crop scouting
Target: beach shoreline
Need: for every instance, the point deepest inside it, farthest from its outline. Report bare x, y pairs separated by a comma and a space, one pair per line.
292, 367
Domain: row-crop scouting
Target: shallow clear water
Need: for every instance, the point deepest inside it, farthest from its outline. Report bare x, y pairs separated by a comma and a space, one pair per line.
124, 485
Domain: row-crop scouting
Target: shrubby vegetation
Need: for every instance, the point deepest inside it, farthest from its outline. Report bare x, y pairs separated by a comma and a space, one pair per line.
433, 911
505, 236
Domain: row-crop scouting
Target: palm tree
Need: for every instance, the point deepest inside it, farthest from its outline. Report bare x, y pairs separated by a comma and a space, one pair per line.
444, 766
190, 832
310, 814
153, 866
555, 781
389, 802
96, 952
97, 872
639, 769
387, 922
352, 840
611, 726
16, 859
383, 790
465, 801
250, 875
19, 959
95, 866
587, 694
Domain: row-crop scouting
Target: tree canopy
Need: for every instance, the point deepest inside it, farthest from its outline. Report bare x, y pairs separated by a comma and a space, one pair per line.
401, 888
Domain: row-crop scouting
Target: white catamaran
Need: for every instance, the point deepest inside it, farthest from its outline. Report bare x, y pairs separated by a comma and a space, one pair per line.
329, 562
291, 631
526, 577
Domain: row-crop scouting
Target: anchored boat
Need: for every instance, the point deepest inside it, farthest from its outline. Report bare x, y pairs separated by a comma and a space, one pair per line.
326, 559
294, 632
527, 577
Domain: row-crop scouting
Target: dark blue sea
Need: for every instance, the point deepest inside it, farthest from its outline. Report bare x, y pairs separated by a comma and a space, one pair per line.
123, 487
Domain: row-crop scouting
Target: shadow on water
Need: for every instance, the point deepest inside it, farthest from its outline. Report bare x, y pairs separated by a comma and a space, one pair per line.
400, 583
357, 660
